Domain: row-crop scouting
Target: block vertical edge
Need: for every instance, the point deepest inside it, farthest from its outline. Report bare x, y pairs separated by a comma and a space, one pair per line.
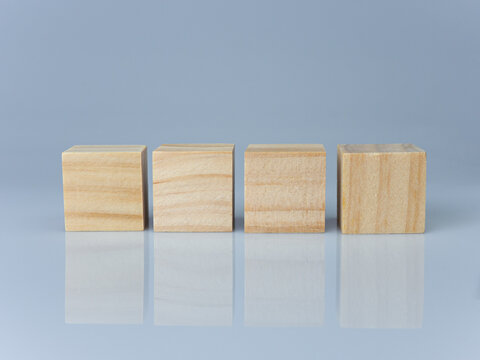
233, 188
416, 227
245, 223
63, 192
154, 174
144, 162
425, 203
339, 187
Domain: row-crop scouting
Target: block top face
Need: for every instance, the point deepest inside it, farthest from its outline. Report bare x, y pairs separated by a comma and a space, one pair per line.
196, 147
379, 148
106, 149
286, 148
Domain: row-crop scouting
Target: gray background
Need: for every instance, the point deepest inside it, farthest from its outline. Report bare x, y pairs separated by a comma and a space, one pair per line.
153, 72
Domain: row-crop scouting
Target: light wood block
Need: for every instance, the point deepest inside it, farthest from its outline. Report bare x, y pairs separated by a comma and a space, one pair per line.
285, 188
381, 188
105, 188
193, 187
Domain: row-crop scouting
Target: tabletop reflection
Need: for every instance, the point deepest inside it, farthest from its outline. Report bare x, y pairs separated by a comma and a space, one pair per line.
193, 279
104, 277
381, 281
284, 279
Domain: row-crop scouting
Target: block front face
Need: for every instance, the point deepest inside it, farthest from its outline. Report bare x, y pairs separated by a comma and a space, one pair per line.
381, 189
105, 188
193, 188
285, 188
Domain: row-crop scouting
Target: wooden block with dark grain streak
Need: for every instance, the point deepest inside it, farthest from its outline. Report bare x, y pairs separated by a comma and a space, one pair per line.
381, 188
193, 187
105, 187
285, 188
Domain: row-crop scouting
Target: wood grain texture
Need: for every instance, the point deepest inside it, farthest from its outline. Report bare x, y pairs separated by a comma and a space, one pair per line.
193, 187
105, 188
285, 188
381, 188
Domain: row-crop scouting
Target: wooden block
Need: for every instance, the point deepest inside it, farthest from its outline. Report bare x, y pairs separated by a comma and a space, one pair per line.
285, 188
105, 188
381, 188
193, 187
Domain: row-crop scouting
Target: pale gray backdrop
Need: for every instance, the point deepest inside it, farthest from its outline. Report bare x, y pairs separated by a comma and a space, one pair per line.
153, 72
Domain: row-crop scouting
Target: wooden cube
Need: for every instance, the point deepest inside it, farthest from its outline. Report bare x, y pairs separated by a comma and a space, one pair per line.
193, 187
105, 188
285, 188
381, 188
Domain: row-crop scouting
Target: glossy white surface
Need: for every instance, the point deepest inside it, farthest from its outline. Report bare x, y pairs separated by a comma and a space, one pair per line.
239, 295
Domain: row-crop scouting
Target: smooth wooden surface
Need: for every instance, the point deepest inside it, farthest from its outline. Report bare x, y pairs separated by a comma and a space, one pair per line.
381, 188
216, 148
105, 188
285, 188
106, 149
193, 187
379, 148
303, 149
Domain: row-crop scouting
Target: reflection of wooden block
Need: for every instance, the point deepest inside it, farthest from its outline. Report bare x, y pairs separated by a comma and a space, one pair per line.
284, 279
285, 188
193, 279
381, 281
381, 188
104, 277
105, 188
193, 187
